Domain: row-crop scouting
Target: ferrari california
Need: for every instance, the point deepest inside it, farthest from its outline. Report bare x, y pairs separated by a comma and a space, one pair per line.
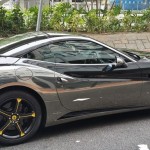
52, 78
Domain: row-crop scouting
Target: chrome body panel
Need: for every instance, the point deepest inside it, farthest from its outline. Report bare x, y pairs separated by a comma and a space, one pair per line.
83, 88
21, 76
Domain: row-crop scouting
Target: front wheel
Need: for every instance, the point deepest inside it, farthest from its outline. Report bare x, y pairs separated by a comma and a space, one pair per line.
20, 117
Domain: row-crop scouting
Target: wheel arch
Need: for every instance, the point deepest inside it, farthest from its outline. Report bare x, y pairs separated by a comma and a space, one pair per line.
32, 92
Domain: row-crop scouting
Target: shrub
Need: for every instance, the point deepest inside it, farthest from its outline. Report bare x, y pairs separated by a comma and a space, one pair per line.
15, 21
30, 17
2, 20
63, 17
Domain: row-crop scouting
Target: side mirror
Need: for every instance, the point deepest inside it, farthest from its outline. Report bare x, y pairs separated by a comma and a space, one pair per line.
120, 63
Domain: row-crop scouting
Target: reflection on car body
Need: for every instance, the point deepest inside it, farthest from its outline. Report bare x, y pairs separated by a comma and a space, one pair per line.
52, 78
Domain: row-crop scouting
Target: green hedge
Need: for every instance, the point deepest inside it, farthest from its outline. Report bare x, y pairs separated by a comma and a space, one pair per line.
63, 17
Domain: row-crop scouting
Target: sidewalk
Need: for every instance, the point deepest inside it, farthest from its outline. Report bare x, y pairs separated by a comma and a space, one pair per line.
136, 41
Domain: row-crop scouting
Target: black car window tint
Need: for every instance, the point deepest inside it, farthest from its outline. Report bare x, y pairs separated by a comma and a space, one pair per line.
94, 50
43, 53
84, 45
104, 54
73, 52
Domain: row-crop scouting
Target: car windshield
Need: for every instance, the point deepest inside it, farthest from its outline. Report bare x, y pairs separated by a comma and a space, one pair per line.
132, 55
136, 55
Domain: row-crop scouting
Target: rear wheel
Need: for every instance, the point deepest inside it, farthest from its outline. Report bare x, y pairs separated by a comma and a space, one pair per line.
20, 117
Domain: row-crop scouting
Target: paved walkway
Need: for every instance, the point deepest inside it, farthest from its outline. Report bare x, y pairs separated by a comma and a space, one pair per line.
136, 41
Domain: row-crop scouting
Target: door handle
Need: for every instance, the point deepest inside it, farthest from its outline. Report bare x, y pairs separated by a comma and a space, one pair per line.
61, 80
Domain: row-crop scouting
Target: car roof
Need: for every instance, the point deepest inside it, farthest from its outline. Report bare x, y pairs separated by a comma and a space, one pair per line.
23, 42
39, 39
22, 49
22, 39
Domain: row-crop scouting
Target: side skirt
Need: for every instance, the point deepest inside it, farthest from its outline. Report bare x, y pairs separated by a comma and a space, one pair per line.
79, 115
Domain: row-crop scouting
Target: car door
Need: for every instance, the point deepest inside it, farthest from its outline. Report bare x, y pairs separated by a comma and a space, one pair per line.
83, 85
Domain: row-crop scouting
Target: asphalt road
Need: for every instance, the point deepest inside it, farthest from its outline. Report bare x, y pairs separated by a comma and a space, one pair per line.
115, 132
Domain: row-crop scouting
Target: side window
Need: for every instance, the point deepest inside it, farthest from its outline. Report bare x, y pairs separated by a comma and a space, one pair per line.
74, 52
106, 55
82, 52
103, 54
43, 54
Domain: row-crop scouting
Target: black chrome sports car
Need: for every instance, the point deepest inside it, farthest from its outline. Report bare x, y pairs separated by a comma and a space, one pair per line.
51, 78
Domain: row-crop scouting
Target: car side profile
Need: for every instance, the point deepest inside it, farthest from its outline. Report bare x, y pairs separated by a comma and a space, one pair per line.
52, 78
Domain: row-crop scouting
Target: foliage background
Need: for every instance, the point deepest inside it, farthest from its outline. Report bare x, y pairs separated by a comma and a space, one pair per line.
63, 17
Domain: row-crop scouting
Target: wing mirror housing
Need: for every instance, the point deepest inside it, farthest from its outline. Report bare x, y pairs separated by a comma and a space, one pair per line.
119, 63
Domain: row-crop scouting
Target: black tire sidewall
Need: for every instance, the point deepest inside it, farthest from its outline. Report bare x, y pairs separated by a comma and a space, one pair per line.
32, 100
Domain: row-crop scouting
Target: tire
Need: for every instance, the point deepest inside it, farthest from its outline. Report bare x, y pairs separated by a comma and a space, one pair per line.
20, 117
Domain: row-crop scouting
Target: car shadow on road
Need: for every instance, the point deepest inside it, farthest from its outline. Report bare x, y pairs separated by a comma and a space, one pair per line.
98, 122
92, 123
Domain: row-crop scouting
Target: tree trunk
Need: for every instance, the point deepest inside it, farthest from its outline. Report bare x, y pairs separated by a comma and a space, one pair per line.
120, 2
97, 4
97, 8
100, 4
113, 4
106, 4
87, 5
75, 4
91, 4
